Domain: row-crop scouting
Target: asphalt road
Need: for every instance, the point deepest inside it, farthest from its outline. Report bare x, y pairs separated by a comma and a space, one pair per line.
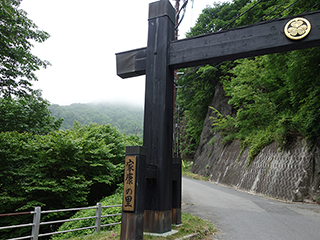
240, 215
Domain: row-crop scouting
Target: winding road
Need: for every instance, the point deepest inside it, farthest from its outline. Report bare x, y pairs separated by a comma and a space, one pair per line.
242, 216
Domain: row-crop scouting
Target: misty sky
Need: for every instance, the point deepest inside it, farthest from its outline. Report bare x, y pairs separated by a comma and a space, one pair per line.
85, 35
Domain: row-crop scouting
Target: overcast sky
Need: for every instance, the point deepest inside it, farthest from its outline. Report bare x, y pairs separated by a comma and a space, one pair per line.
85, 35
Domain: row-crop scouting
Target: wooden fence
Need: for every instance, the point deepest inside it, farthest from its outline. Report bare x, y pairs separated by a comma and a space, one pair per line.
37, 221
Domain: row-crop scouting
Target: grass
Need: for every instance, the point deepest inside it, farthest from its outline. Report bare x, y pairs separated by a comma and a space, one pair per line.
186, 168
190, 225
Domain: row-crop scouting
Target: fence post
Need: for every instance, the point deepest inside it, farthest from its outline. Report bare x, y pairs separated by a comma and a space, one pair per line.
36, 223
98, 218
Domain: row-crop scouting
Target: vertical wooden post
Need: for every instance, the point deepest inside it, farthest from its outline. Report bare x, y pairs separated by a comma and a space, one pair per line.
158, 116
176, 191
133, 194
36, 223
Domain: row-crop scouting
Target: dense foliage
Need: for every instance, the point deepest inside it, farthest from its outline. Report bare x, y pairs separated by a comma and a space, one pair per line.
27, 114
274, 96
128, 119
17, 63
62, 169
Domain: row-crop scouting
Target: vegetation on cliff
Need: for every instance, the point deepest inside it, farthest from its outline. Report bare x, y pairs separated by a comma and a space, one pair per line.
276, 97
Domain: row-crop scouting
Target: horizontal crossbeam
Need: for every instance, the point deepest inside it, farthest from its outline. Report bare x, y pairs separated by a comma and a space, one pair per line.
248, 41
131, 63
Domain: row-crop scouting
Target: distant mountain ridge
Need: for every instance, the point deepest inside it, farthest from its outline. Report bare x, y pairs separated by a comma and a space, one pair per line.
128, 119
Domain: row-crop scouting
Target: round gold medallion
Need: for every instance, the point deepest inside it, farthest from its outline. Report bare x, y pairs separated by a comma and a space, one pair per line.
297, 28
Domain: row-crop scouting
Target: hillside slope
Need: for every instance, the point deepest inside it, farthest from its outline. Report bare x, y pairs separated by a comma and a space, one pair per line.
127, 119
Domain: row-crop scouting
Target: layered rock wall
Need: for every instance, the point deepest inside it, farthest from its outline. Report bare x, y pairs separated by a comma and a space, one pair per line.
292, 174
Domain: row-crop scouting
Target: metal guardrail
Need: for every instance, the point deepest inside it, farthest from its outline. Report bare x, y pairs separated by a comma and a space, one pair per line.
37, 222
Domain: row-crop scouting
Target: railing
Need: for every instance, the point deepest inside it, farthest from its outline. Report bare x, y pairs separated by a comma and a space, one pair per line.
37, 222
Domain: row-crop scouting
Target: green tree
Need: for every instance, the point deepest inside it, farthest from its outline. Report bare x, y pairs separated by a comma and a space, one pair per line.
198, 83
63, 169
17, 63
126, 118
194, 96
276, 98
27, 114
248, 96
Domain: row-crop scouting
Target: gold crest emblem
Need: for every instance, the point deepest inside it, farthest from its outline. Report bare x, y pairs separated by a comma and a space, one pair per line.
297, 28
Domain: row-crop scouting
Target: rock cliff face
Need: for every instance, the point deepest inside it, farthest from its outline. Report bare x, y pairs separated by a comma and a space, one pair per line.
292, 174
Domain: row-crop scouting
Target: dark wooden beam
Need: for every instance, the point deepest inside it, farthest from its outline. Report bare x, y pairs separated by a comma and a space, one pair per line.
131, 63
248, 41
